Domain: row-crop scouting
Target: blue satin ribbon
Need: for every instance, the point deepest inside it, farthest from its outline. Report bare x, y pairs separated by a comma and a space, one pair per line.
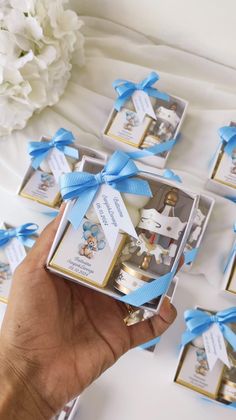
232, 253
22, 233
231, 198
153, 150
118, 173
149, 291
228, 136
150, 343
231, 405
126, 89
171, 175
190, 256
39, 150
198, 322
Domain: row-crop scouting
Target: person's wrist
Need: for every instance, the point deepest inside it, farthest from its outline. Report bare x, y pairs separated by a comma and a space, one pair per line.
19, 396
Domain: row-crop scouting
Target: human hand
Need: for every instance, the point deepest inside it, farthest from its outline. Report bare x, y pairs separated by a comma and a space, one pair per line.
57, 337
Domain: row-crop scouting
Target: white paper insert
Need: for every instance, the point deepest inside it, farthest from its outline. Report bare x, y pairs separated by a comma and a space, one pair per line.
58, 163
112, 214
143, 105
215, 347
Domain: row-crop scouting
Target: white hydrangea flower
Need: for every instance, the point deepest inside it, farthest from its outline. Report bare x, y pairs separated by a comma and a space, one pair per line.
37, 41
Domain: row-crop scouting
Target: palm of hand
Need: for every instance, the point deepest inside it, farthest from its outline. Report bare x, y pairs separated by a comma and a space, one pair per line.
66, 334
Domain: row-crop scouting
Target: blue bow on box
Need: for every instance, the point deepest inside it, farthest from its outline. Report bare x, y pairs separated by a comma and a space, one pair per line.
61, 140
126, 89
22, 233
118, 173
228, 136
199, 321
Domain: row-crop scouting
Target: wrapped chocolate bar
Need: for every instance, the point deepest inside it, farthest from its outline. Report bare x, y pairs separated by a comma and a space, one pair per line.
123, 231
14, 245
230, 269
144, 118
207, 361
222, 177
50, 158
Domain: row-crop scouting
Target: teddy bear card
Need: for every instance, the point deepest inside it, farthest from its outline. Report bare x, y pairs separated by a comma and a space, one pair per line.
195, 373
128, 128
86, 254
43, 188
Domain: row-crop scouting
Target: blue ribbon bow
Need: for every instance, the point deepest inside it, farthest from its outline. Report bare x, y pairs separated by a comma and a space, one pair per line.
232, 252
228, 136
118, 173
39, 150
198, 322
22, 233
126, 89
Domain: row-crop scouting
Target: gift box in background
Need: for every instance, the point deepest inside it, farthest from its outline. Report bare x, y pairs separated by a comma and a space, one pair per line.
222, 177
207, 362
144, 118
14, 245
229, 283
147, 258
50, 159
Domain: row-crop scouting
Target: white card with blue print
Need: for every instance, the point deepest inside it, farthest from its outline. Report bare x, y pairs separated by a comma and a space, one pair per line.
113, 214
128, 127
215, 346
86, 254
42, 187
58, 163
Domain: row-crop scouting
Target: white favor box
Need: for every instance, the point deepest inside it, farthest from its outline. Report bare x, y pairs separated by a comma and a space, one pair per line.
155, 161
198, 377
83, 151
92, 166
206, 203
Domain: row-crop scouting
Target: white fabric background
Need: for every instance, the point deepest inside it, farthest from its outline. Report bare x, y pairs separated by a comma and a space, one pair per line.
204, 27
114, 51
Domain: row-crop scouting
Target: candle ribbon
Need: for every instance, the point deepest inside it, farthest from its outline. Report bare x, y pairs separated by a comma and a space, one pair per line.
228, 135
190, 256
198, 322
118, 173
126, 89
154, 150
22, 233
61, 141
231, 198
232, 252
